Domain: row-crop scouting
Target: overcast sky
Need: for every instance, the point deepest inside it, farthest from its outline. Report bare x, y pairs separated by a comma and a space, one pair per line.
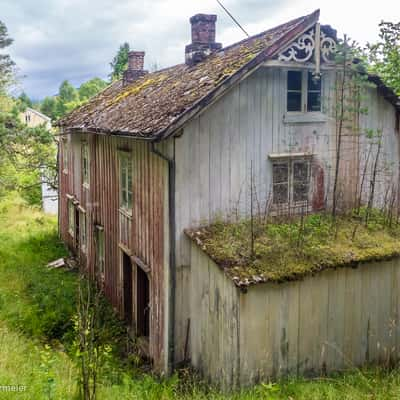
77, 39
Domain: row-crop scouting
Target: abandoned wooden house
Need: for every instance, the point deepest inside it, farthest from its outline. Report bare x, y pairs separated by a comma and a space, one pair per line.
156, 155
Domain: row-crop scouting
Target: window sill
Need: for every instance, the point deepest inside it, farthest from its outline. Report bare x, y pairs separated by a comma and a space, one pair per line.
304, 118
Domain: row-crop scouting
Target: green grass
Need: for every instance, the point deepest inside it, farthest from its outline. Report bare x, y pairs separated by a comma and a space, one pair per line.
36, 306
291, 249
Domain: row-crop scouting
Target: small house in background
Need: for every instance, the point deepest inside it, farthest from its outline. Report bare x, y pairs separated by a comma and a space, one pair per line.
34, 118
150, 162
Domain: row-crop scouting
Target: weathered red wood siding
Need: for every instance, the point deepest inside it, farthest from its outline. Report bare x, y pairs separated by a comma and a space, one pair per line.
142, 235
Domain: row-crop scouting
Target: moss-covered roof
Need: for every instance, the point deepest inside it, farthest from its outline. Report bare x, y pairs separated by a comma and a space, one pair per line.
292, 250
151, 104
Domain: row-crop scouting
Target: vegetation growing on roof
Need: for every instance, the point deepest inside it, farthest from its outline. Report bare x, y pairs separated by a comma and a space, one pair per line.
291, 249
138, 87
151, 108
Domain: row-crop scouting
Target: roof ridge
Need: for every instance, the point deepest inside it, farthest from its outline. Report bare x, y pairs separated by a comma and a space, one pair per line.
257, 35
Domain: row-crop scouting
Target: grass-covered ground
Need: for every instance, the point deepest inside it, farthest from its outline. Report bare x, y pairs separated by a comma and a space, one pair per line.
36, 306
290, 249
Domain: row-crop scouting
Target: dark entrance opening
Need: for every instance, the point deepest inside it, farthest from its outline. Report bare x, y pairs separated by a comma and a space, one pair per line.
143, 303
128, 297
77, 233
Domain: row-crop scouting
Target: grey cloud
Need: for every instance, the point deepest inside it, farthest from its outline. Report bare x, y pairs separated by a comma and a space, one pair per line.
76, 39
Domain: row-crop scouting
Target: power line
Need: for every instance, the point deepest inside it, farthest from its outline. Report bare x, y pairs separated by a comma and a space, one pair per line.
233, 18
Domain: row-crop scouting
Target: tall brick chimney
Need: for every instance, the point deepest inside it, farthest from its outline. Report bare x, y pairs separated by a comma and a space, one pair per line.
135, 67
203, 38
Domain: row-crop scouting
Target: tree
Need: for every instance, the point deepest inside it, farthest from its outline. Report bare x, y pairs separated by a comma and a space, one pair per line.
24, 101
384, 56
67, 100
120, 62
49, 107
67, 92
6, 64
91, 88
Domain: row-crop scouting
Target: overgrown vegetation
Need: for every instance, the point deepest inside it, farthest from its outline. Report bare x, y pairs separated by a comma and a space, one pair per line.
37, 306
289, 248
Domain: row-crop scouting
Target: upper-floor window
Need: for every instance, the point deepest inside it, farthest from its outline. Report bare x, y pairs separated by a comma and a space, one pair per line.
85, 163
303, 91
291, 181
65, 152
125, 180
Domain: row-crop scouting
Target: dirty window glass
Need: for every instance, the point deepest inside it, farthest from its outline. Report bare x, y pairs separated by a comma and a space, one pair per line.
300, 180
280, 178
291, 181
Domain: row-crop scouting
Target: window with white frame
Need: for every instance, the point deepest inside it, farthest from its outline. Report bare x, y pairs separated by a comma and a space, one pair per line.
99, 237
83, 230
290, 181
303, 92
85, 163
71, 218
125, 180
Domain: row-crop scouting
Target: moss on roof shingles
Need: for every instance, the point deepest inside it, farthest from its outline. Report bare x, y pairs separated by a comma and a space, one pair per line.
150, 104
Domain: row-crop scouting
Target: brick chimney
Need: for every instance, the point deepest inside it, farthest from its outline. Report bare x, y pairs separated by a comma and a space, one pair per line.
135, 67
203, 38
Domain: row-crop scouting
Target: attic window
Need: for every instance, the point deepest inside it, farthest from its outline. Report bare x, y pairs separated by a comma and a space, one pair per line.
294, 85
303, 92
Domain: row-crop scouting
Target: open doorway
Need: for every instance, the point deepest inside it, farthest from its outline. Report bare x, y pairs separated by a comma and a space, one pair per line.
128, 295
142, 303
